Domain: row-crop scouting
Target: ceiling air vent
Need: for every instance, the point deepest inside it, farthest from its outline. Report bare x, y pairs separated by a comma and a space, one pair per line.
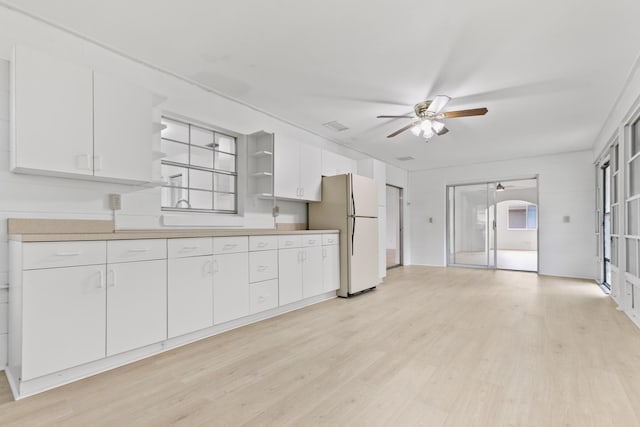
405, 158
335, 126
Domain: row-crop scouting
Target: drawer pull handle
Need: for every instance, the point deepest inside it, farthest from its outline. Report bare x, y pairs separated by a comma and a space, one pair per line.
139, 250
101, 279
189, 248
311, 241
288, 243
261, 299
76, 253
229, 246
111, 273
262, 244
262, 268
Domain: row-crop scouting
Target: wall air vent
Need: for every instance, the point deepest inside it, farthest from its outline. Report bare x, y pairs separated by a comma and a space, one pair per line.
335, 126
405, 158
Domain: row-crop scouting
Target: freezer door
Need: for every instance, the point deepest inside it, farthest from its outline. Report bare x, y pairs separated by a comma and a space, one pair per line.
363, 253
364, 192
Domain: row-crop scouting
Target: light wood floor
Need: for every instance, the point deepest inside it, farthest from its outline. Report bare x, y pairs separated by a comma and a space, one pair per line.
432, 346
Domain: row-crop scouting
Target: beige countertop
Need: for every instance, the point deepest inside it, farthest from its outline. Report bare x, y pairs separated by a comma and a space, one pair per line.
56, 230
156, 234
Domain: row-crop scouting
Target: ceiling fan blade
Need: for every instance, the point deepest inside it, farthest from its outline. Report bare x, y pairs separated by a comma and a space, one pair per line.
407, 127
438, 103
442, 131
465, 113
394, 117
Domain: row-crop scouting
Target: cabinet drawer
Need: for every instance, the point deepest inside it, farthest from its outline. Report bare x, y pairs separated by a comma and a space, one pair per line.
289, 241
229, 245
312, 240
263, 296
62, 254
181, 248
263, 265
330, 239
136, 250
263, 243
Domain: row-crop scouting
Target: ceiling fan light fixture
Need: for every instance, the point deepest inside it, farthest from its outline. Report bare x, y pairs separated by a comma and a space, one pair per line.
437, 126
416, 130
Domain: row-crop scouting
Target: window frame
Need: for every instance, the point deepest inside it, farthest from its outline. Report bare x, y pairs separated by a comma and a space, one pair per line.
189, 166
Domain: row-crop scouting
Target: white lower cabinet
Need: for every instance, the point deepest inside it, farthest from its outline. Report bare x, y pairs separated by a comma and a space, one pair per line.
136, 305
331, 264
63, 318
230, 286
263, 296
189, 294
124, 295
312, 271
289, 275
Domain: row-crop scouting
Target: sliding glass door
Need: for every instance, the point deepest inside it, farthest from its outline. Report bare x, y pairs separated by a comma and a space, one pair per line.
471, 237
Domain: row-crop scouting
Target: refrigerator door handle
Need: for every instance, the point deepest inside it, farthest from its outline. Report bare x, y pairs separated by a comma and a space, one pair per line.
353, 200
353, 234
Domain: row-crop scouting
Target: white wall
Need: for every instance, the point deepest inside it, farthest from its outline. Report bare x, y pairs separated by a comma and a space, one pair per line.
45, 197
566, 188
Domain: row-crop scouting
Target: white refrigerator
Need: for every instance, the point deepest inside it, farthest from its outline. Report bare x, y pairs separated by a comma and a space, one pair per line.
350, 204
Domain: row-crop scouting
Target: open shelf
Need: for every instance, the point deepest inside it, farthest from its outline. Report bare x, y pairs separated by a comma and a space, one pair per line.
262, 174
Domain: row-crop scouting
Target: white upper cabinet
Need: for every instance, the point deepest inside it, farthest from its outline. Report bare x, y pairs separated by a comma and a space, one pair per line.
52, 115
68, 120
297, 170
122, 130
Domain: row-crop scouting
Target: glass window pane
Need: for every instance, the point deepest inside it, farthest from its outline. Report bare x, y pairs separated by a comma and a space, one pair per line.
632, 257
614, 220
175, 152
634, 177
225, 162
200, 179
174, 197
532, 217
517, 217
614, 251
224, 202
174, 176
225, 143
635, 138
632, 217
224, 182
614, 189
177, 131
201, 137
616, 152
200, 199
202, 157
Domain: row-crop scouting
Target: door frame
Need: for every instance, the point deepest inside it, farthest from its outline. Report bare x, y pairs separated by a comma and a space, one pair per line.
606, 184
449, 212
401, 221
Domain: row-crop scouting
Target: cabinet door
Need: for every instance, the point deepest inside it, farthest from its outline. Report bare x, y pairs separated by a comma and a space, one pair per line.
330, 268
230, 287
312, 284
63, 318
136, 304
286, 174
189, 294
53, 111
289, 275
122, 130
310, 172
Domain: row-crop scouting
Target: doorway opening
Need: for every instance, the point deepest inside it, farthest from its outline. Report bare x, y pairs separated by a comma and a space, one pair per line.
493, 225
394, 227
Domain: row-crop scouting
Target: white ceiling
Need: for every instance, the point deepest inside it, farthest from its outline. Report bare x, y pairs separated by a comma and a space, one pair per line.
549, 71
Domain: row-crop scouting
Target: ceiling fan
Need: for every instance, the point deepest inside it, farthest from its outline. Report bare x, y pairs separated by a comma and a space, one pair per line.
429, 114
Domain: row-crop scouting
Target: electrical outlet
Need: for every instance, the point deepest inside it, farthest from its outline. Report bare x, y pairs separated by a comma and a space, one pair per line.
115, 202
